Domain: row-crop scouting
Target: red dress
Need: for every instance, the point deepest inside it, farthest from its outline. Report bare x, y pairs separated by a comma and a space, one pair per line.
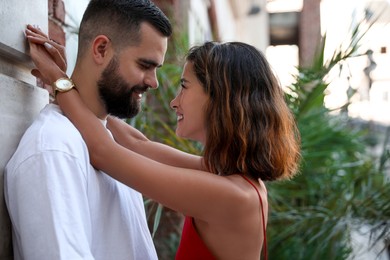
192, 246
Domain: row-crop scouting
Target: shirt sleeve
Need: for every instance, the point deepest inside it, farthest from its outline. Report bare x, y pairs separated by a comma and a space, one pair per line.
48, 205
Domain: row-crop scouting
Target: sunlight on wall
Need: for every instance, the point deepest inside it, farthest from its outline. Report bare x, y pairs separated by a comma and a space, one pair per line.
283, 60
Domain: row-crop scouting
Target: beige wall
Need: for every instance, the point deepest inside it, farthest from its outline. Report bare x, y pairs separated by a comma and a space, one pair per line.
20, 100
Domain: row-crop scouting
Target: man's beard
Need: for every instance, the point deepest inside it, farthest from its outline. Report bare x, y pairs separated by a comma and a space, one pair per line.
117, 94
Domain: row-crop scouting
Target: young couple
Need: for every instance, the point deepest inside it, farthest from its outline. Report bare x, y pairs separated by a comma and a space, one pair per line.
229, 100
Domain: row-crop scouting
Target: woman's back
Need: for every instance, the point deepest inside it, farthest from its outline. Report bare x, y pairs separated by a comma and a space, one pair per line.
237, 231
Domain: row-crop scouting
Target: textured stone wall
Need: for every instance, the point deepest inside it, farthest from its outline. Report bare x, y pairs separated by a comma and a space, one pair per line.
20, 98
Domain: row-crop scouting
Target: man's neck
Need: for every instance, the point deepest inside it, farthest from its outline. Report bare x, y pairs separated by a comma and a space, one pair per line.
89, 93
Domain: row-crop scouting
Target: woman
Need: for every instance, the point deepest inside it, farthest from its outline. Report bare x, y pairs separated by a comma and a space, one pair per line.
231, 102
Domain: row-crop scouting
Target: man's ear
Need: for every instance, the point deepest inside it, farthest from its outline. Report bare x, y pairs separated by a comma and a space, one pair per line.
102, 49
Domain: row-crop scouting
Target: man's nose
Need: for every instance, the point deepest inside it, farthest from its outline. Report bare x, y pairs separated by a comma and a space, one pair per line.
151, 79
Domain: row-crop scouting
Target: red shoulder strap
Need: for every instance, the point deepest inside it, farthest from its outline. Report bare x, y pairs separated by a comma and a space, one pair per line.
265, 254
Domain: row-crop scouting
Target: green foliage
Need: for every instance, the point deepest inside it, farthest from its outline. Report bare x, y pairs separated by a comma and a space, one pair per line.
341, 186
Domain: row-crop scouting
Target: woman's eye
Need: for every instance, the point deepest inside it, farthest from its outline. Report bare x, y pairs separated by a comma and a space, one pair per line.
179, 90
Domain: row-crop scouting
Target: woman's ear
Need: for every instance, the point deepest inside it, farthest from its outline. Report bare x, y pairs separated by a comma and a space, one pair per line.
102, 49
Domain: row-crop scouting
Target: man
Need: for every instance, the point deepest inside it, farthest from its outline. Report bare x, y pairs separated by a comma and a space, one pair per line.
60, 206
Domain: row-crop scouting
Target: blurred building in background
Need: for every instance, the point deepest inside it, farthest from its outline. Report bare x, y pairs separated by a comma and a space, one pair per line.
289, 33
367, 75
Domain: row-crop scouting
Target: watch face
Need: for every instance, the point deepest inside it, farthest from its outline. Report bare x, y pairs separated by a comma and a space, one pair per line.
63, 84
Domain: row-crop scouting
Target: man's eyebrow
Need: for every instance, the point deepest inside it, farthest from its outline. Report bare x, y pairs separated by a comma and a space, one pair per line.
150, 62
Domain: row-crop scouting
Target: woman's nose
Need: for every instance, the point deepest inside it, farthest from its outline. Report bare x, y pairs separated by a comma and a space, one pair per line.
173, 103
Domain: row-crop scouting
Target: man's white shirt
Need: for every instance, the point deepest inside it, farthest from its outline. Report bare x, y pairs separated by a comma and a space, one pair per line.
63, 208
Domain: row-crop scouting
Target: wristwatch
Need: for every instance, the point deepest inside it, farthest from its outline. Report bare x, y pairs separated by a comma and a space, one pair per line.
62, 85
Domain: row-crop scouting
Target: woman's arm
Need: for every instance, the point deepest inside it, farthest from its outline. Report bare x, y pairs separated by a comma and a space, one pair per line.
195, 193
123, 133
136, 141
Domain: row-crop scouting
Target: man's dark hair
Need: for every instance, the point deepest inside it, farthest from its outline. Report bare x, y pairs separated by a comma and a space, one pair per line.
120, 21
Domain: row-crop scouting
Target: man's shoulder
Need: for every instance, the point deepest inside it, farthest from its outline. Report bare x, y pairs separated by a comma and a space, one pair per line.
52, 128
50, 131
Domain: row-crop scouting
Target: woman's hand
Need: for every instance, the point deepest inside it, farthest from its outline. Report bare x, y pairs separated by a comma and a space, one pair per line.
125, 134
47, 55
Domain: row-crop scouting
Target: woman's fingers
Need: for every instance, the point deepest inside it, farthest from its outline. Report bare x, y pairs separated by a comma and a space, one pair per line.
46, 59
35, 35
56, 55
62, 54
35, 29
45, 54
38, 36
34, 50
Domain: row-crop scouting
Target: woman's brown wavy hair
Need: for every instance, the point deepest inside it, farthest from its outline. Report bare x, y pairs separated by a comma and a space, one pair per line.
250, 128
